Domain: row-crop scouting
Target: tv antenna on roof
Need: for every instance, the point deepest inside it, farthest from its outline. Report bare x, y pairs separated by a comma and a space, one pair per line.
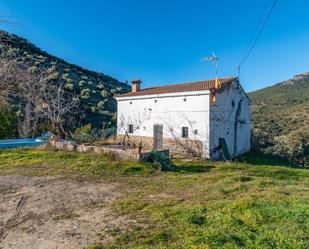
214, 59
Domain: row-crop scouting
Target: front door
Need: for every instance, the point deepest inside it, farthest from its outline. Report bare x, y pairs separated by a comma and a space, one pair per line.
157, 137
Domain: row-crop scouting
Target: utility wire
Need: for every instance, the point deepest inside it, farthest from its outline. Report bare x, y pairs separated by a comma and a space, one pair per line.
255, 30
253, 41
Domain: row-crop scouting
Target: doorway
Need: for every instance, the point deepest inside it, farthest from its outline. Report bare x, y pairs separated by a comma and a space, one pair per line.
157, 137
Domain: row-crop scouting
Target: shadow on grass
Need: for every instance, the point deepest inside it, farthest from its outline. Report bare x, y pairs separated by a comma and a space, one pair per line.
262, 159
187, 169
287, 171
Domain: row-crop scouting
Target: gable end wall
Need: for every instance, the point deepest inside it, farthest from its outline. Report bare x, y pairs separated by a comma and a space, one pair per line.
230, 119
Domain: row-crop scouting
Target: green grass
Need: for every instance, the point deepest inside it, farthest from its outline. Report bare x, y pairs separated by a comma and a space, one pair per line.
257, 203
69, 164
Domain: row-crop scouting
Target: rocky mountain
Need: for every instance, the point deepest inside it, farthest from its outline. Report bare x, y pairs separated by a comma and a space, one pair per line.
280, 119
94, 89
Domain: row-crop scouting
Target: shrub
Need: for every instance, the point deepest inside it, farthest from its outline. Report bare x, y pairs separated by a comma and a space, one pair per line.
65, 76
87, 134
69, 86
93, 109
83, 134
100, 86
52, 69
52, 77
85, 93
104, 93
293, 147
160, 160
101, 104
33, 69
7, 122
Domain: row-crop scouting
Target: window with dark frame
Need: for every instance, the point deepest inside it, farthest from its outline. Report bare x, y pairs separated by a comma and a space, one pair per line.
185, 132
130, 128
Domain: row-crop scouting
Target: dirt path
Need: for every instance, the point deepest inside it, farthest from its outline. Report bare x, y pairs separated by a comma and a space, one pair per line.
50, 213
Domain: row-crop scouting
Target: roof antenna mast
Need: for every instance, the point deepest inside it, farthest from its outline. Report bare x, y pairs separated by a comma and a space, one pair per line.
214, 59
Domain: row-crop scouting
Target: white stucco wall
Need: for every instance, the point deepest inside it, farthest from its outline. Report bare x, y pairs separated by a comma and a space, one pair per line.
169, 110
212, 121
226, 122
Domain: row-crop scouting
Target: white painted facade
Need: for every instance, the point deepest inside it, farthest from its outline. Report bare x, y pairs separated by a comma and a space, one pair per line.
206, 121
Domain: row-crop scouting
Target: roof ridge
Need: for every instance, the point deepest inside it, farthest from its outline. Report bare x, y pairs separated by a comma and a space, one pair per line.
192, 82
181, 87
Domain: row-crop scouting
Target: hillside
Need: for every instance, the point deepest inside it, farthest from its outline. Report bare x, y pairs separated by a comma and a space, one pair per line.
95, 89
280, 119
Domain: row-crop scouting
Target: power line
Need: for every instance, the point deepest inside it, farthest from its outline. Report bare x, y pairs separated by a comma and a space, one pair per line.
253, 41
255, 30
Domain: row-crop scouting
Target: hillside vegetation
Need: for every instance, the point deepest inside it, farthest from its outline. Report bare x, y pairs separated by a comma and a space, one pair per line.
256, 203
94, 90
280, 119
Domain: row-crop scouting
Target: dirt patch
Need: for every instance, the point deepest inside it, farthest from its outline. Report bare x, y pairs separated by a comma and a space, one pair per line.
48, 212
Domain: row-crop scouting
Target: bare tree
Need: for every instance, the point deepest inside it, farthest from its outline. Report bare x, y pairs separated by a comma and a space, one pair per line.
192, 146
136, 120
8, 76
57, 105
39, 96
13, 84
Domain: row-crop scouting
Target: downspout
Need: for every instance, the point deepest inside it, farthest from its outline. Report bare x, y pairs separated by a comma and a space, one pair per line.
237, 114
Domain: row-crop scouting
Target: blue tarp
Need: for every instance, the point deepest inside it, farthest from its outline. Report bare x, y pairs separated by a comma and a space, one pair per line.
27, 142
15, 143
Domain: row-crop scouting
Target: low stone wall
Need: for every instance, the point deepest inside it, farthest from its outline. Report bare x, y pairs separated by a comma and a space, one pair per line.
175, 146
124, 154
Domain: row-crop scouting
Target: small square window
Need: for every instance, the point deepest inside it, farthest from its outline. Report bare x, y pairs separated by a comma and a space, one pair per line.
185, 132
195, 132
184, 99
156, 101
130, 128
130, 102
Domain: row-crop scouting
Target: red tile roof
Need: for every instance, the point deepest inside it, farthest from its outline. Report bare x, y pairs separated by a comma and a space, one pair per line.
184, 87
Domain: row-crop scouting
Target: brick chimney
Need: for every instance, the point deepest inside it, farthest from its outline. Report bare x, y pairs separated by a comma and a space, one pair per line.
136, 85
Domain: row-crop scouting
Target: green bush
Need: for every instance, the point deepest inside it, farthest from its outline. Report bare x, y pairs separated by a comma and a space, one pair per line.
161, 161
7, 122
69, 86
83, 134
81, 83
87, 134
100, 86
104, 93
293, 147
85, 93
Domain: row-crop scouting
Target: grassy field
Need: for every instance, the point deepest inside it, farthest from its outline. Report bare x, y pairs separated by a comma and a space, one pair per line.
256, 203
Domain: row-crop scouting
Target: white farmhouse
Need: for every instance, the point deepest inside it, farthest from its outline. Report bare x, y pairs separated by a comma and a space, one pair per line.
193, 118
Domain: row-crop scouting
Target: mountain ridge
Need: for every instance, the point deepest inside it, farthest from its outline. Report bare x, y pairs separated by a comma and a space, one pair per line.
280, 119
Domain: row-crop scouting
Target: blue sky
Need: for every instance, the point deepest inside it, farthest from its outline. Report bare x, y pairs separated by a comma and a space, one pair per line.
163, 42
